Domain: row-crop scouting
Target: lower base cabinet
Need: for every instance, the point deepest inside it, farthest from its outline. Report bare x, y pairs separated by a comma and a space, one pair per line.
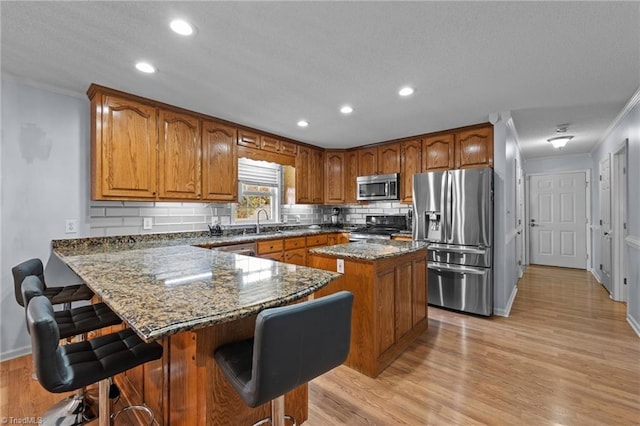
390, 305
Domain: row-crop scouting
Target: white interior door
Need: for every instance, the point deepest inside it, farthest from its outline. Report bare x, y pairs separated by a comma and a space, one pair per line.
557, 220
605, 222
619, 270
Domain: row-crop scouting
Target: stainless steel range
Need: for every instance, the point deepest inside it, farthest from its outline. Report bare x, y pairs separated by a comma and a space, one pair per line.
380, 228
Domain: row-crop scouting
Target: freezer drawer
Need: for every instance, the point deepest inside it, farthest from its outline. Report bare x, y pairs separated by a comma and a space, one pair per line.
463, 288
460, 255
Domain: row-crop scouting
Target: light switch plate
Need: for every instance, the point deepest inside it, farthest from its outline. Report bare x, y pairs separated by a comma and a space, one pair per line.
340, 266
147, 223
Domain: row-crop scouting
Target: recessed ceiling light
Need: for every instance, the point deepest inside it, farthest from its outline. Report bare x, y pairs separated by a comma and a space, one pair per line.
303, 123
406, 91
346, 109
181, 27
145, 67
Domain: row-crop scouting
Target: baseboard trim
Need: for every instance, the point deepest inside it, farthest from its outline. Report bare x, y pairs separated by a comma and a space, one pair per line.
595, 274
507, 310
635, 325
15, 353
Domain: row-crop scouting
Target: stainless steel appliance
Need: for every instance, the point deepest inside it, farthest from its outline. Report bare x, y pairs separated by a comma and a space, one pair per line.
335, 216
247, 249
378, 187
454, 211
379, 228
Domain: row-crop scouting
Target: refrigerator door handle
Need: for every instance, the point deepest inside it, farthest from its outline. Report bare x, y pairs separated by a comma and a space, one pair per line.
465, 250
448, 207
459, 269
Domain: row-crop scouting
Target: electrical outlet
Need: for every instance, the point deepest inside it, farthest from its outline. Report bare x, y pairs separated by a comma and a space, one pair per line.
297, 218
71, 226
285, 218
340, 266
147, 223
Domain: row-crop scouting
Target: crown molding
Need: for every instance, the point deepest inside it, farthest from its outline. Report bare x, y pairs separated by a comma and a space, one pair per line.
635, 100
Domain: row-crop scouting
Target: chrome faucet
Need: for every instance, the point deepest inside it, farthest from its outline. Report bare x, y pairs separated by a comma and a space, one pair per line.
258, 219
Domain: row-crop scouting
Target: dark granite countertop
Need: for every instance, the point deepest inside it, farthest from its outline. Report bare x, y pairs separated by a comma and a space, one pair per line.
171, 287
371, 249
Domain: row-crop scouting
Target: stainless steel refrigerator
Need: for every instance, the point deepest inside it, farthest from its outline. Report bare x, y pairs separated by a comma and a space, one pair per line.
453, 210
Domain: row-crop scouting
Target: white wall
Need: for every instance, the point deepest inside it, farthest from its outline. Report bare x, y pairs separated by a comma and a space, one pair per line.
628, 127
558, 164
45, 180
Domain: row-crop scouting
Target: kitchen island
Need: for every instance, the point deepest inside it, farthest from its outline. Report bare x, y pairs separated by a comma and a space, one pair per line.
389, 282
191, 300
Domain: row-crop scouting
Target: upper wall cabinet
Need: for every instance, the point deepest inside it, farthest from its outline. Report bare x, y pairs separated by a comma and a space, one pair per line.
124, 148
379, 160
351, 174
438, 152
474, 148
268, 143
179, 156
248, 139
410, 163
334, 177
219, 162
309, 176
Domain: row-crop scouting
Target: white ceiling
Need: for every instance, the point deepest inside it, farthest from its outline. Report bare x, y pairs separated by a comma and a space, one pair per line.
268, 64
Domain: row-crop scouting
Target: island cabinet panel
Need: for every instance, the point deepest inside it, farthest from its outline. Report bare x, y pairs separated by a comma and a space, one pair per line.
124, 148
219, 162
180, 153
389, 309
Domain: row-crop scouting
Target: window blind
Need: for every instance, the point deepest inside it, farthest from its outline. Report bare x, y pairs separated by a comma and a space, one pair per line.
258, 172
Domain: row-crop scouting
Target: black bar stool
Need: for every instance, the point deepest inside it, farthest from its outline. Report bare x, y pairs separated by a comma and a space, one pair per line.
76, 365
291, 346
57, 295
73, 322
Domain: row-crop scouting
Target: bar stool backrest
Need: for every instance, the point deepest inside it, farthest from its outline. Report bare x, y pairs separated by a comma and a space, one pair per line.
23, 270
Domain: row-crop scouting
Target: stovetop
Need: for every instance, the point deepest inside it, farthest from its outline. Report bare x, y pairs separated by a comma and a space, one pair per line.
382, 226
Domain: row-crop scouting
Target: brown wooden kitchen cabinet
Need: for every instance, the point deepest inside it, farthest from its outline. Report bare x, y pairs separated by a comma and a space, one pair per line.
179, 156
474, 148
271, 144
248, 139
410, 163
351, 174
438, 152
379, 160
309, 176
219, 162
389, 308
124, 148
334, 173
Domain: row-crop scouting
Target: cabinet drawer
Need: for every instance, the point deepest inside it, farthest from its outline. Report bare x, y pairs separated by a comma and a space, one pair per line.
294, 243
296, 257
273, 256
317, 240
288, 148
271, 246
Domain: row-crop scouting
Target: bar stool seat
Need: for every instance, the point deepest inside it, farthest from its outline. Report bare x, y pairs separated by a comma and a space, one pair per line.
57, 295
76, 365
291, 346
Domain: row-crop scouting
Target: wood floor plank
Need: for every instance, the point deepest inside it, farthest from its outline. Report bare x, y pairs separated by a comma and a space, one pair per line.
565, 356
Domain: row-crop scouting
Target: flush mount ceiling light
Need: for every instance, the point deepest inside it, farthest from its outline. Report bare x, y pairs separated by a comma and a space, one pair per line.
182, 27
559, 141
406, 91
346, 109
303, 123
146, 67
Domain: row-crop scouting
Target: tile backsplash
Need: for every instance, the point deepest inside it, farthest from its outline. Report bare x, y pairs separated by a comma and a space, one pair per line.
108, 218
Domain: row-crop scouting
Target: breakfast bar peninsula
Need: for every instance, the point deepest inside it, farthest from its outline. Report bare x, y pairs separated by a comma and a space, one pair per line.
191, 300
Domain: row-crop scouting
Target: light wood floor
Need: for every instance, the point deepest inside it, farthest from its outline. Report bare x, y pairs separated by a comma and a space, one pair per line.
565, 356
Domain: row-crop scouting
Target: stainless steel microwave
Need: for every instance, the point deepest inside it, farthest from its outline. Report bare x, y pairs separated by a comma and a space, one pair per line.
378, 187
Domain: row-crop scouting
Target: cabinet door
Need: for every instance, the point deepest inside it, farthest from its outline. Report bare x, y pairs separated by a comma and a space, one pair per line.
316, 184
419, 284
127, 146
303, 161
389, 158
288, 148
438, 153
410, 164
269, 144
296, 257
334, 172
351, 163
474, 148
403, 300
367, 161
219, 162
248, 139
385, 310
179, 156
